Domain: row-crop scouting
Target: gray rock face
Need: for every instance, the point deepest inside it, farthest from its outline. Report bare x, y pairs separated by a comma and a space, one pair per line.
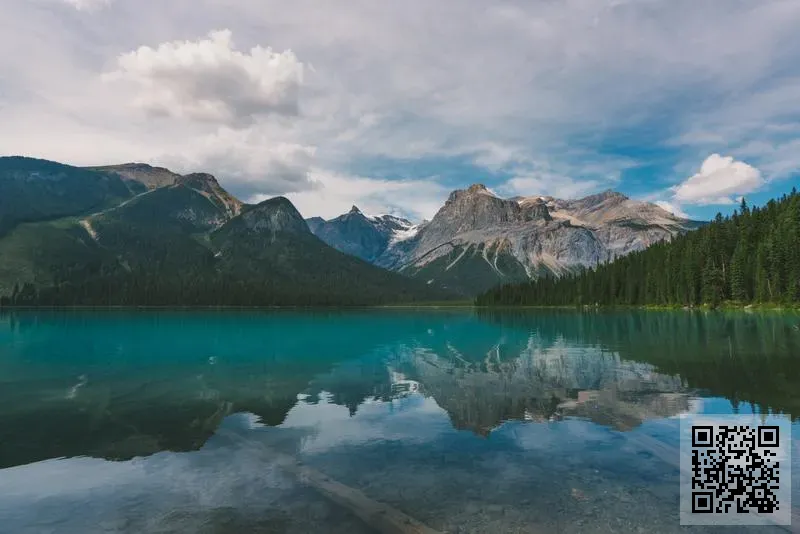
315, 224
209, 187
359, 235
477, 239
475, 211
276, 215
141, 176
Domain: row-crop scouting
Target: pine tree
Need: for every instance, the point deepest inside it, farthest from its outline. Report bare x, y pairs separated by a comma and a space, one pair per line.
713, 283
739, 273
762, 290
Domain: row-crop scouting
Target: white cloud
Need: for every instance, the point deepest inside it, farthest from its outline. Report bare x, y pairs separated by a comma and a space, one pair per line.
549, 185
719, 178
503, 85
248, 162
335, 193
570, 180
88, 5
781, 158
208, 80
672, 208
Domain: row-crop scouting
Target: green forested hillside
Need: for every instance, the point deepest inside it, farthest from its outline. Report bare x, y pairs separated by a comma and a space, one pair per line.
185, 245
39, 190
753, 256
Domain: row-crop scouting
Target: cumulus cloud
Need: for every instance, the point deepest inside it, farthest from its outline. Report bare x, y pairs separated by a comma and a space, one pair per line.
504, 84
672, 208
720, 178
88, 5
209, 80
570, 180
549, 184
249, 162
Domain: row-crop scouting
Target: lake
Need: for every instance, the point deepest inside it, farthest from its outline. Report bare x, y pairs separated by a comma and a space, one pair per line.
289, 421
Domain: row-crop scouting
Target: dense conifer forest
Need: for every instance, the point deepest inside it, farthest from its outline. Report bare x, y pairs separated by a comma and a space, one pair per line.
752, 256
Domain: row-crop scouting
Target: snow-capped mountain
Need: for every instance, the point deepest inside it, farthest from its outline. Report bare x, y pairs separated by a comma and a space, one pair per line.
363, 236
478, 239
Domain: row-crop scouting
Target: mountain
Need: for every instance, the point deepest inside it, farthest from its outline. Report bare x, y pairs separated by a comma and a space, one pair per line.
753, 256
38, 190
140, 177
186, 242
478, 240
359, 235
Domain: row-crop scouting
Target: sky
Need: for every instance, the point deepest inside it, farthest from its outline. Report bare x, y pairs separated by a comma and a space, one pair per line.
391, 105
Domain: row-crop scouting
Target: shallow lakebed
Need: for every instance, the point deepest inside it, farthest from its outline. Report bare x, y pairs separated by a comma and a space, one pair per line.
464, 420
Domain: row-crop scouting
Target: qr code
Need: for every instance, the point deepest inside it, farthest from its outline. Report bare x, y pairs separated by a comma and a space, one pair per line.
736, 468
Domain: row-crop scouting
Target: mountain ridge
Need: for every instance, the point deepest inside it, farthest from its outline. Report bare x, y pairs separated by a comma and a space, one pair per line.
357, 234
478, 239
186, 242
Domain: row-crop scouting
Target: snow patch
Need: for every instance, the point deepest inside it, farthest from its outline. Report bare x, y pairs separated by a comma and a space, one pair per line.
486, 259
87, 225
404, 234
395, 218
466, 249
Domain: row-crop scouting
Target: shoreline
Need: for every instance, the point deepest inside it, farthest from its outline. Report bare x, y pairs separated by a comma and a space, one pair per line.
434, 305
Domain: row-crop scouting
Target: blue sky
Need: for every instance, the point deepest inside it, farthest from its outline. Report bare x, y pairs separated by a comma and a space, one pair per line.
391, 105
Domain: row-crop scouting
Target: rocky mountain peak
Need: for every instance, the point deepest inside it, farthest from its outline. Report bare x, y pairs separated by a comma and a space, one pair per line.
366, 237
534, 209
477, 208
607, 195
199, 180
208, 186
477, 188
274, 215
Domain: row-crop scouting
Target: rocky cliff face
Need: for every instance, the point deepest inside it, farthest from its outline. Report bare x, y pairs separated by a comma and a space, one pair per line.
209, 187
478, 240
276, 215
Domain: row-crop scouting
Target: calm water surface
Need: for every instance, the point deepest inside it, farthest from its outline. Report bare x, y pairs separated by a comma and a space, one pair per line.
466, 421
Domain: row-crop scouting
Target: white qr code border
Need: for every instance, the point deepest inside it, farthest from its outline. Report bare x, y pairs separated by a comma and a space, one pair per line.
698, 492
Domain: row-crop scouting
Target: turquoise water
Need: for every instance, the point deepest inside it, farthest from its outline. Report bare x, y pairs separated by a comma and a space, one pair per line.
465, 421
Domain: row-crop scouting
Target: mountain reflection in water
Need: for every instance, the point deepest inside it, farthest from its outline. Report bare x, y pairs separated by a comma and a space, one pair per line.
397, 403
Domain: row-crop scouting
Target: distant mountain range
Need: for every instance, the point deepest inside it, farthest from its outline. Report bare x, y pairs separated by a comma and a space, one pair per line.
478, 240
140, 235
359, 235
134, 234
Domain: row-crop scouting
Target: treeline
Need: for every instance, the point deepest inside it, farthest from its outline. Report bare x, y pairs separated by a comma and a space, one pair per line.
752, 256
199, 289
141, 266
